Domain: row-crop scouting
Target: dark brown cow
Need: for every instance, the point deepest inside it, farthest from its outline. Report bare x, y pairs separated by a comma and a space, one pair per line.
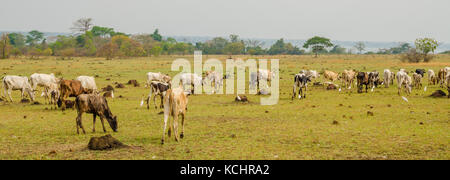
362, 79
96, 105
441, 77
68, 88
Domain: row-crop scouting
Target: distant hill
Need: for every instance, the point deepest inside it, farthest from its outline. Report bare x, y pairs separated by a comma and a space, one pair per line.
370, 45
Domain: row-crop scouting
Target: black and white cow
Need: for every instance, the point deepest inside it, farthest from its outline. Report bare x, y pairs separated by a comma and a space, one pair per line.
421, 72
159, 89
300, 81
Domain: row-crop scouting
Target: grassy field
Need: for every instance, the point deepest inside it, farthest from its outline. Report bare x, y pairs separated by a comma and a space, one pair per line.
219, 128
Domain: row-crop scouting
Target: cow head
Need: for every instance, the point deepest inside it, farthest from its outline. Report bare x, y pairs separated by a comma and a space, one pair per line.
113, 123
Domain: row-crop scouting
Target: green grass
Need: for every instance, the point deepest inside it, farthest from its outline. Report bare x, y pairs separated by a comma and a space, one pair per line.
218, 128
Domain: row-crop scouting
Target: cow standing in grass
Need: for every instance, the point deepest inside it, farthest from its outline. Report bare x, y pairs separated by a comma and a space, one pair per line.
97, 106
300, 81
348, 77
48, 81
388, 78
68, 88
404, 81
432, 79
151, 76
11, 83
362, 79
157, 89
175, 104
417, 80
330, 75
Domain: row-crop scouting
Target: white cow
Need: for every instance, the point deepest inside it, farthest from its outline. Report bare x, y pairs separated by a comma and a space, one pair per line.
151, 76
11, 83
261, 74
405, 81
431, 77
48, 81
88, 83
311, 73
190, 79
216, 78
388, 78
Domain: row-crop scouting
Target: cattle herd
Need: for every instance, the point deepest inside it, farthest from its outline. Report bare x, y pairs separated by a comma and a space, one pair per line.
56, 91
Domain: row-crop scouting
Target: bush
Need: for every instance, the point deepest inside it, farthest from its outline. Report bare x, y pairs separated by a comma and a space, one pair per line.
412, 56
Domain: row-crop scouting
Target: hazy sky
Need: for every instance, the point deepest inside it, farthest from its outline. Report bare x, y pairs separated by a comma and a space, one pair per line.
355, 20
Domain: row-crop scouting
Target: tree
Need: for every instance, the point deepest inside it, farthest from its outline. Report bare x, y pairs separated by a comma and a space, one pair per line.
234, 38
235, 48
360, 46
156, 51
277, 47
318, 44
34, 37
102, 32
425, 46
17, 40
5, 46
156, 36
109, 50
82, 25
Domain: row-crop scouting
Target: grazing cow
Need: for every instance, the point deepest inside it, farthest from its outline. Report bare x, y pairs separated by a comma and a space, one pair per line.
190, 79
404, 81
261, 74
108, 94
421, 72
330, 75
151, 76
216, 78
68, 88
432, 79
362, 79
388, 78
44, 80
348, 77
374, 79
97, 106
88, 83
417, 80
300, 81
159, 89
175, 104
11, 83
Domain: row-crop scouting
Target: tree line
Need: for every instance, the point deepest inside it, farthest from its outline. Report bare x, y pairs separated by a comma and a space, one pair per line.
90, 40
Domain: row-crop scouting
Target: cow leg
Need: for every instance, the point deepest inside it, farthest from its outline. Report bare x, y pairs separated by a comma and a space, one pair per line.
148, 101
182, 126
102, 117
161, 105
304, 93
293, 92
93, 124
166, 117
9, 95
154, 101
79, 125
175, 126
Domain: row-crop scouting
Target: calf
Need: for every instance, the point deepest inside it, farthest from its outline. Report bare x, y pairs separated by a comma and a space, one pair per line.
11, 83
175, 104
88, 83
300, 81
330, 75
417, 80
404, 81
362, 79
68, 88
159, 89
97, 106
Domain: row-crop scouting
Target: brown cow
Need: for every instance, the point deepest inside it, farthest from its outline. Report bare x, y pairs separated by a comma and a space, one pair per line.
362, 79
348, 76
96, 105
441, 77
330, 75
175, 104
68, 88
